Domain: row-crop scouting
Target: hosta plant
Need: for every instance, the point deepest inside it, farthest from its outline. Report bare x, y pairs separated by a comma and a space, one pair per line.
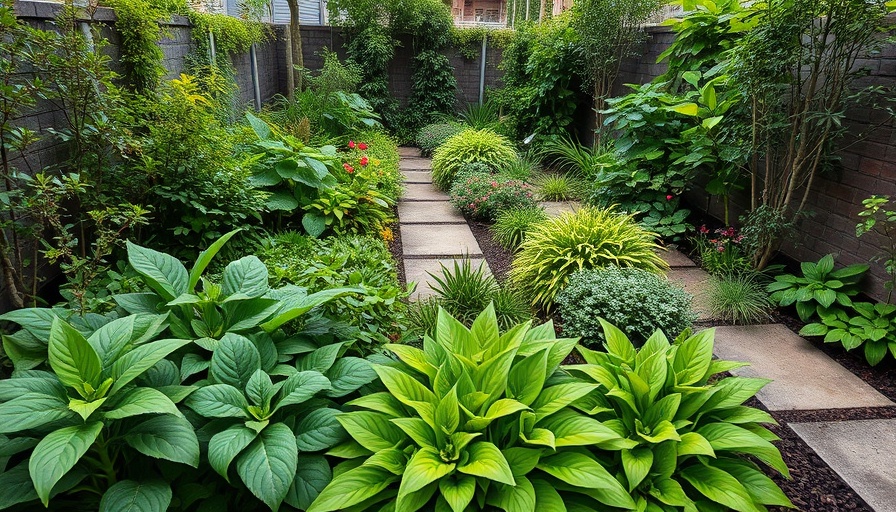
475, 420
866, 325
819, 287
466, 147
691, 443
86, 427
589, 238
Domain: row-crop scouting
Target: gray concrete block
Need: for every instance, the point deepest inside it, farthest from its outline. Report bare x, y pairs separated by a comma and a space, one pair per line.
438, 240
419, 270
694, 281
415, 164
417, 176
408, 152
557, 208
804, 377
676, 258
861, 452
428, 212
423, 192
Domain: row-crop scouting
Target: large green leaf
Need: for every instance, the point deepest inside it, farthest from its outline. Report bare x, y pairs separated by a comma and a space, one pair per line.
526, 378
163, 273
573, 429
319, 430
348, 374
321, 359
693, 357
234, 361
36, 321
132, 496
72, 358
618, 343
218, 401
554, 398
243, 315
312, 476
719, 486
268, 465
518, 498
166, 437
226, 445
141, 401
372, 430
300, 306
485, 460
760, 487
728, 437
32, 410
247, 275
424, 467
143, 357
206, 256
636, 463
57, 454
580, 470
352, 487
547, 499
407, 390
300, 387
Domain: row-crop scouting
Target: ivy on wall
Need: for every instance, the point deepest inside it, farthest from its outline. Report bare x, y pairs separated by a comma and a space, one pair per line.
468, 40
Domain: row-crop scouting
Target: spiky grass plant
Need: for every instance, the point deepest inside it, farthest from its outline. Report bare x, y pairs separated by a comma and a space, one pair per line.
483, 116
466, 147
558, 187
568, 155
589, 238
520, 168
464, 291
739, 298
511, 226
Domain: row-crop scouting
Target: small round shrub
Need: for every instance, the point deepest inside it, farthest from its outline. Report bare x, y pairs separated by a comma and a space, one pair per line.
511, 226
472, 168
483, 197
434, 135
636, 301
469, 146
589, 238
739, 298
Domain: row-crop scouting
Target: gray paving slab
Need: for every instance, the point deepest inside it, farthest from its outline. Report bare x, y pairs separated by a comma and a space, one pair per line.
407, 151
418, 270
410, 164
417, 176
804, 377
438, 240
676, 258
428, 212
694, 281
557, 208
423, 192
861, 452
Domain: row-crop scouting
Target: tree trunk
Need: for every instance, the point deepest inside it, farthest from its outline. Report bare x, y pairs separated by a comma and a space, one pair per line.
298, 62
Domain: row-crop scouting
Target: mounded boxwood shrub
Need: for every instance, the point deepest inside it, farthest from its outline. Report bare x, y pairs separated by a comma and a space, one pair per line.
470, 146
483, 196
636, 301
434, 135
589, 238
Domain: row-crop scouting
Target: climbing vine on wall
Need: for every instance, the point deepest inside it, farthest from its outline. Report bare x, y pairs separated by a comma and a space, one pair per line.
141, 56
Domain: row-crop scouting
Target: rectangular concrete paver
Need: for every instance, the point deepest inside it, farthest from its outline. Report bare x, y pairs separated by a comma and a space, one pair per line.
438, 240
694, 281
428, 212
411, 164
676, 258
557, 208
417, 176
408, 152
805, 378
423, 192
861, 452
418, 270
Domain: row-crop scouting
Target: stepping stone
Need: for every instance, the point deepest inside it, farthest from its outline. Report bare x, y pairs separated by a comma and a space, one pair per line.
676, 258
410, 164
805, 378
416, 270
408, 152
694, 281
417, 176
438, 240
861, 452
557, 208
428, 212
423, 192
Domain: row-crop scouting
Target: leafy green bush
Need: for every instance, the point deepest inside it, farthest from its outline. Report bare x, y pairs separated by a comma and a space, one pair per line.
434, 135
511, 225
469, 146
473, 421
483, 197
520, 168
819, 288
636, 301
589, 238
689, 442
871, 326
558, 187
739, 298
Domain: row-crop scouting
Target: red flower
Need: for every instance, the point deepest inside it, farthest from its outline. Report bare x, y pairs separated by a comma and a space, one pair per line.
349, 169
362, 146
364, 161
704, 230
669, 197
351, 144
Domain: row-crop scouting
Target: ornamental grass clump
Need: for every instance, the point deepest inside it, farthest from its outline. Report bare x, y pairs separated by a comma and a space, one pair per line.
511, 226
690, 443
470, 146
587, 239
635, 300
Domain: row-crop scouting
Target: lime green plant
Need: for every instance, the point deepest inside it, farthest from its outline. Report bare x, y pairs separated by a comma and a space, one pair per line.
589, 238
469, 146
687, 434
473, 421
511, 226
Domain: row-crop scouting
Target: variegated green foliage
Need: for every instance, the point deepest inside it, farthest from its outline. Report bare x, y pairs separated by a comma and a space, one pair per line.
687, 434
475, 420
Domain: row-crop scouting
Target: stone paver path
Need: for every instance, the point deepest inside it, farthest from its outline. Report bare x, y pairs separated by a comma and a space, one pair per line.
433, 233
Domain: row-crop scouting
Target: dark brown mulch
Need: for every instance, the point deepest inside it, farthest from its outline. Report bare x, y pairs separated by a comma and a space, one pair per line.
396, 249
498, 258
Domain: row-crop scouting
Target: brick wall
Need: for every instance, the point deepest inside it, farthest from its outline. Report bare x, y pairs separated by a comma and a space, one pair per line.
867, 167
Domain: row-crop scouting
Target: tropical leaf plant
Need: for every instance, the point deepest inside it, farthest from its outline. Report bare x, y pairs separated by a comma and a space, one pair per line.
689, 443
819, 288
88, 416
473, 420
870, 326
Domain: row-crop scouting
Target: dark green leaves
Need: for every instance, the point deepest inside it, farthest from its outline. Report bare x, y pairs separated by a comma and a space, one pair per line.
72, 358
57, 454
268, 465
131, 496
163, 273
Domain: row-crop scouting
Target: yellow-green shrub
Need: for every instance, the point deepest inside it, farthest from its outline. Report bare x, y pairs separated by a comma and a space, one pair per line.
466, 147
